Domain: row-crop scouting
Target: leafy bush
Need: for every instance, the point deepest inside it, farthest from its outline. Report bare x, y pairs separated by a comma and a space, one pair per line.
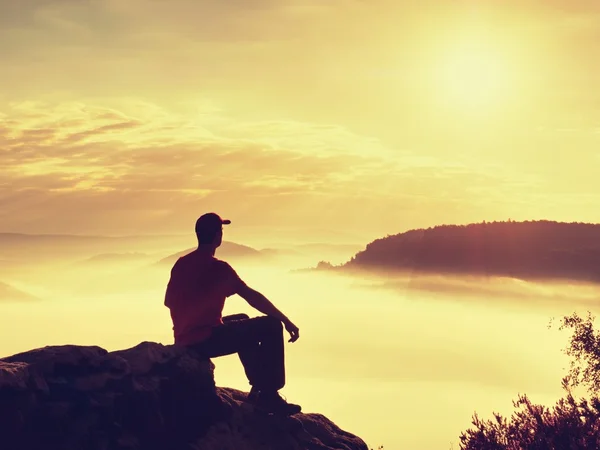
572, 424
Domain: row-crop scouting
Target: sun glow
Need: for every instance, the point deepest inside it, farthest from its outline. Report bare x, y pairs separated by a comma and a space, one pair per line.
474, 76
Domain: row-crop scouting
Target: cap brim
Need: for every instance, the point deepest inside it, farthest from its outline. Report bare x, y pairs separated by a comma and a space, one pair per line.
225, 221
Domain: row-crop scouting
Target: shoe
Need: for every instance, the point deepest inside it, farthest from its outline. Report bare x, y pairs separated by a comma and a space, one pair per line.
273, 403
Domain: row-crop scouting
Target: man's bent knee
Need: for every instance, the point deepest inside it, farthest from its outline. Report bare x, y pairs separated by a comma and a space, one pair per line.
232, 317
272, 323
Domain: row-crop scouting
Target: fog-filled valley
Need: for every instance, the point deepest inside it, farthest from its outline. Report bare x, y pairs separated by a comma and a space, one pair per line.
391, 358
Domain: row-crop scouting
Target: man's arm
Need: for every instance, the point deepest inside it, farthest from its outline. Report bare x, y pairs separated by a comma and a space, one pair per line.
262, 304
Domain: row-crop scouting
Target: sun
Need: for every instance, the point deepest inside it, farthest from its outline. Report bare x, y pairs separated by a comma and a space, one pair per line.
473, 76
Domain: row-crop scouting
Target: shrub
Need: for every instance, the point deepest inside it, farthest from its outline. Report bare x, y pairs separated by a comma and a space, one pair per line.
571, 424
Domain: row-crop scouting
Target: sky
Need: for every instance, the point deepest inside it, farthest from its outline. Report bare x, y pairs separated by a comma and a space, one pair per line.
303, 121
342, 120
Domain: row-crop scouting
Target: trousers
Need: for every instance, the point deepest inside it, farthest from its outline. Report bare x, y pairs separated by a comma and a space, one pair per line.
258, 343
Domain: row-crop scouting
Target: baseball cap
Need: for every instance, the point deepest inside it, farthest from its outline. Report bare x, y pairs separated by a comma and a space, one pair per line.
210, 222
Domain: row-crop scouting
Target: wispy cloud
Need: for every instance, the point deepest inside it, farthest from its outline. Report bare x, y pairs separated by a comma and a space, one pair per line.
103, 164
184, 105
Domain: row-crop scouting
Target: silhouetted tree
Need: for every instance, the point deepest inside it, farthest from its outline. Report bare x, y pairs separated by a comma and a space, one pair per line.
584, 349
571, 424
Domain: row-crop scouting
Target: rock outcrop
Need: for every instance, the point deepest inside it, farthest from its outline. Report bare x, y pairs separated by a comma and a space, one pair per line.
149, 397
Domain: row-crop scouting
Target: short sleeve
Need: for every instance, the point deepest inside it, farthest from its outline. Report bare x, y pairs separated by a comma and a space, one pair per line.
232, 281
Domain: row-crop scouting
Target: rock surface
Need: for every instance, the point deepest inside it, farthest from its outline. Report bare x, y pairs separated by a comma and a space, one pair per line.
151, 396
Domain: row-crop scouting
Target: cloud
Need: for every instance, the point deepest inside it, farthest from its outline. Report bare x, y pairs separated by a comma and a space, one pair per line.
363, 65
77, 165
148, 23
104, 129
137, 167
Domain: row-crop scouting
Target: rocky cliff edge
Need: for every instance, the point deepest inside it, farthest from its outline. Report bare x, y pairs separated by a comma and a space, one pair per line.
149, 397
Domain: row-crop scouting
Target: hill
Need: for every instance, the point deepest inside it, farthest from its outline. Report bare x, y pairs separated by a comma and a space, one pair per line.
527, 250
227, 250
306, 254
9, 293
51, 247
112, 258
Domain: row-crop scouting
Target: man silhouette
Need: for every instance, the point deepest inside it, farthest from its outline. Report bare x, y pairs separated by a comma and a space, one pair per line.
195, 296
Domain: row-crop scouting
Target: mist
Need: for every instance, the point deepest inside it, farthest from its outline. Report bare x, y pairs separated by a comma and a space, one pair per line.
402, 361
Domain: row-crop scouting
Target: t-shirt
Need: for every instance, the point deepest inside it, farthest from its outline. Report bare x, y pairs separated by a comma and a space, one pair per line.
196, 294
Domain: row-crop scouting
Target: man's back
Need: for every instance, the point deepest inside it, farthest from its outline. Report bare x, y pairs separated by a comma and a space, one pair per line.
196, 294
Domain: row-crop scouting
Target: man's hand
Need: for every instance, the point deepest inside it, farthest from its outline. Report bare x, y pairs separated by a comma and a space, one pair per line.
292, 329
262, 304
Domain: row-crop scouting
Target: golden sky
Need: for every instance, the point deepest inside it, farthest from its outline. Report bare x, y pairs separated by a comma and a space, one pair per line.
358, 118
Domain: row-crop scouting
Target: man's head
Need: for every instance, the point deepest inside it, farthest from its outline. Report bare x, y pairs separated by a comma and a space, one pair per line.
209, 229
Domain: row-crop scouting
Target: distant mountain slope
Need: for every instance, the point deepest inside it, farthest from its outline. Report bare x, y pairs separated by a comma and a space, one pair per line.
114, 258
49, 246
227, 250
531, 249
9, 240
321, 247
9, 293
303, 254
